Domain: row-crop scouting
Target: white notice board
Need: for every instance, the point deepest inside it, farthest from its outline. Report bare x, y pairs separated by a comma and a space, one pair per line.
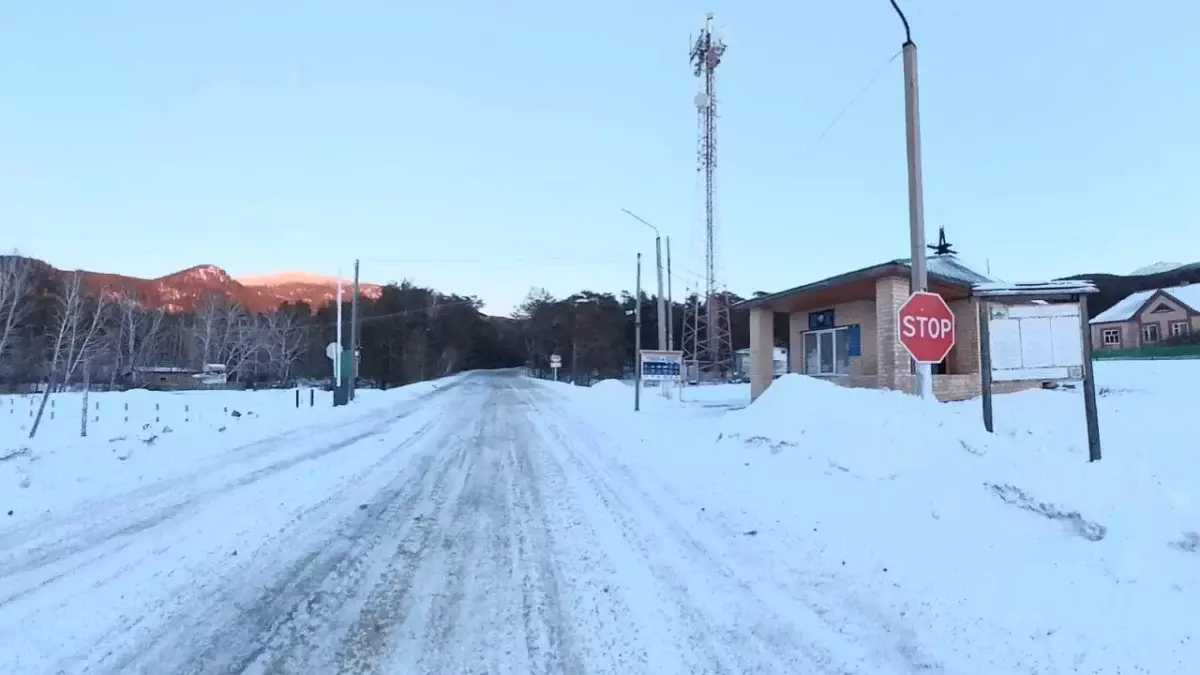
1036, 342
661, 366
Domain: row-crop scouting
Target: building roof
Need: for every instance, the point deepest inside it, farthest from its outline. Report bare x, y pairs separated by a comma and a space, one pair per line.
945, 268
1186, 295
951, 268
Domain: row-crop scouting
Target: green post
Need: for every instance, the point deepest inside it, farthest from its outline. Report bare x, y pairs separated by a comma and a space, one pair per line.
341, 394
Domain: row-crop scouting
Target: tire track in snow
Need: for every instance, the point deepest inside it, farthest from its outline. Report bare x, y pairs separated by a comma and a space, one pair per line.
498, 607
282, 627
104, 510
743, 637
483, 591
392, 595
98, 535
886, 638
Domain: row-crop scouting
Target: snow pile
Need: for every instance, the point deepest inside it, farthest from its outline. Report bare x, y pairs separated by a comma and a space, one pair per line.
1013, 534
612, 388
1004, 552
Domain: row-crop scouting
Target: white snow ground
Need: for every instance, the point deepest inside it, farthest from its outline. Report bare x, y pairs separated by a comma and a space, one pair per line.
490, 523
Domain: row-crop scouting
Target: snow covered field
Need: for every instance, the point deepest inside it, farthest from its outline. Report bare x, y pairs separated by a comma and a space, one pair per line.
141, 437
491, 523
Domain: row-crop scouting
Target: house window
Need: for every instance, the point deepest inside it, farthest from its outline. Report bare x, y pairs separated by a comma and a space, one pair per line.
1111, 337
826, 353
1150, 333
1180, 328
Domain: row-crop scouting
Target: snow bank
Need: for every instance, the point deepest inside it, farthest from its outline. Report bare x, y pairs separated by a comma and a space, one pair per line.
1001, 551
1013, 533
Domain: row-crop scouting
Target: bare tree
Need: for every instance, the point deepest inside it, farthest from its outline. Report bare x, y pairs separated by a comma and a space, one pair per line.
76, 337
15, 303
210, 325
84, 319
284, 341
137, 335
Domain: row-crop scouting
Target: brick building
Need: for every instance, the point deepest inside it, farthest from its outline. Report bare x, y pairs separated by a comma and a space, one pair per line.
845, 328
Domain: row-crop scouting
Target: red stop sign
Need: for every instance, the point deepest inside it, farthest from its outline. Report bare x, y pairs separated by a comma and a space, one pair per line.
926, 327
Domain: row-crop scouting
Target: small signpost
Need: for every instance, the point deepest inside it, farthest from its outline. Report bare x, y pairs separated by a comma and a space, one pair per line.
662, 366
555, 364
342, 363
926, 327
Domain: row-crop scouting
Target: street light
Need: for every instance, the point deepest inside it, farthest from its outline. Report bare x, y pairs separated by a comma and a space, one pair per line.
664, 322
916, 200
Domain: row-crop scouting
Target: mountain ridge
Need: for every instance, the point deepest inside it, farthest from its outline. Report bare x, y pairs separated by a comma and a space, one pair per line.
1116, 287
182, 290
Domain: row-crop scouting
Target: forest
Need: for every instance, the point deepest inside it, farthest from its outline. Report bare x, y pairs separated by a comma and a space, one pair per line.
54, 329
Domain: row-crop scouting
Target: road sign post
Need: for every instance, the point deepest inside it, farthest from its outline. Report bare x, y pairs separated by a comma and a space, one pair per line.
342, 363
926, 329
555, 364
662, 366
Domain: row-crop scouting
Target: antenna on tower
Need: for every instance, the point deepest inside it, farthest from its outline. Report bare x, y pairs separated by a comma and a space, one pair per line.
707, 336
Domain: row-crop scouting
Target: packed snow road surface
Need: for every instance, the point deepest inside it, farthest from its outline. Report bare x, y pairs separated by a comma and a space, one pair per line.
481, 528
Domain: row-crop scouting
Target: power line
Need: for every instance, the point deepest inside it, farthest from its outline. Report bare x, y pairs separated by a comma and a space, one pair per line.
494, 262
849, 105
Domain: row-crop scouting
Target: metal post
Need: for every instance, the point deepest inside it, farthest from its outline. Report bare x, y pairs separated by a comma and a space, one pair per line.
1089, 384
637, 339
670, 302
337, 361
662, 300
985, 363
87, 388
662, 306
354, 334
916, 205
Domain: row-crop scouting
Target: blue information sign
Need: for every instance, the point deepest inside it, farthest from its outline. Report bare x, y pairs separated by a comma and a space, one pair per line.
662, 366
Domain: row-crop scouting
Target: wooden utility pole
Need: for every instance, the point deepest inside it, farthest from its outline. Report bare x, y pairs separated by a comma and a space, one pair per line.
637, 338
354, 334
916, 200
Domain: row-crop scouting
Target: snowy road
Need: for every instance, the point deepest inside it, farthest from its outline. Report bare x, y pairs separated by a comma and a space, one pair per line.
486, 527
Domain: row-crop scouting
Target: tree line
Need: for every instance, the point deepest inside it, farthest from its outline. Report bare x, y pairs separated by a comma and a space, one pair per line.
55, 330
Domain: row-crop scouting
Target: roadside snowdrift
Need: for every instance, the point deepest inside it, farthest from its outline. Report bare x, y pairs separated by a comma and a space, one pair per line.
1003, 552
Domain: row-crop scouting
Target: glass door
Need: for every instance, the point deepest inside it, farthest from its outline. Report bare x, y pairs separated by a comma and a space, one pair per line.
826, 352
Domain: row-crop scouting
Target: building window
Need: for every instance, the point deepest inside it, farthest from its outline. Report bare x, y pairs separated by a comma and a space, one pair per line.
826, 353
1180, 328
1111, 337
1150, 333
940, 368
1163, 308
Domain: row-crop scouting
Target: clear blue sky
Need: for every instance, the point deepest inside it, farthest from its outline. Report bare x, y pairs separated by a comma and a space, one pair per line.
486, 147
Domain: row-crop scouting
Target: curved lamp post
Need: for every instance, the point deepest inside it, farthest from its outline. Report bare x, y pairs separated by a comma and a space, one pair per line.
916, 201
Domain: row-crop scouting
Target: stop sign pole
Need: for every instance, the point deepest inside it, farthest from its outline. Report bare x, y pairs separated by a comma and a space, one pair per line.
926, 328
916, 200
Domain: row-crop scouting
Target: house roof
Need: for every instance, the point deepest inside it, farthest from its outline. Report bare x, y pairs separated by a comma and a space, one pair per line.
1187, 295
945, 268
